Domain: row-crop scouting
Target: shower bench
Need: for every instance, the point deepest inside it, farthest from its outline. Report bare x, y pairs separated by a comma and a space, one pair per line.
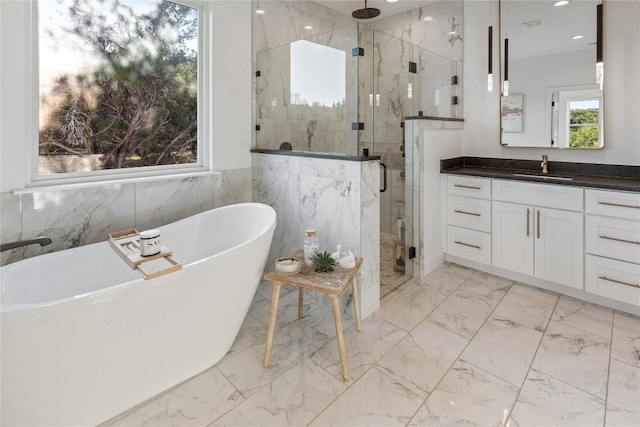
334, 283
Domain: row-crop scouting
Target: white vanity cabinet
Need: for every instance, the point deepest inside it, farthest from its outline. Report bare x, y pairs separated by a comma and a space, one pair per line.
612, 245
469, 218
549, 235
537, 230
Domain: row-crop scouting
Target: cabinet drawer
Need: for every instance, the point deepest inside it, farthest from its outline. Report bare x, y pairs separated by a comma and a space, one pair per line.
613, 238
469, 213
458, 185
545, 195
469, 244
612, 203
613, 279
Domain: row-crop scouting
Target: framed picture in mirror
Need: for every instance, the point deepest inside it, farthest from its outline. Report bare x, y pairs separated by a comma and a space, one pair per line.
512, 112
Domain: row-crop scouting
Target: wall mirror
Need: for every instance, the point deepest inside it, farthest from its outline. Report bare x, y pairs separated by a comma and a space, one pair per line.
549, 52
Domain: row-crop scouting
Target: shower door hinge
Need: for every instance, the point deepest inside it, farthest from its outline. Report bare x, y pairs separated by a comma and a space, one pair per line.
412, 252
357, 126
357, 51
257, 127
258, 73
454, 100
413, 67
454, 80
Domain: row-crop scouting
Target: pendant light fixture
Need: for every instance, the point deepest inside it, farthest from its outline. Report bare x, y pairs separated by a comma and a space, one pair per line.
599, 56
490, 54
505, 84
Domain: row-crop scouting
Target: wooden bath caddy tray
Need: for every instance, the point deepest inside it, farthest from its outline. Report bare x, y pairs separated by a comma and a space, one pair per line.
127, 244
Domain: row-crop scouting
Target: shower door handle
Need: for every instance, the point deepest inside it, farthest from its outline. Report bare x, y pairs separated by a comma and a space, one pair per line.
384, 177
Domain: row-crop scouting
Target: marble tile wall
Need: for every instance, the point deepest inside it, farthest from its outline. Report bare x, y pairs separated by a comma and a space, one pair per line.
81, 216
338, 198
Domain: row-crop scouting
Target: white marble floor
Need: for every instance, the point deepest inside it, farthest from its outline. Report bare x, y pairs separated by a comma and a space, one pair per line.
460, 347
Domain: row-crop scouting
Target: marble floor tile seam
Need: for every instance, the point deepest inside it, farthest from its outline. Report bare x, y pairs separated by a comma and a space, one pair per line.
458, 360
349, 386
542, 370
605, 400
617, 359
269, 384
489, 315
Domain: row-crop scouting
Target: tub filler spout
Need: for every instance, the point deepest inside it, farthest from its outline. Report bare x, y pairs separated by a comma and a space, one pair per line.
42, 240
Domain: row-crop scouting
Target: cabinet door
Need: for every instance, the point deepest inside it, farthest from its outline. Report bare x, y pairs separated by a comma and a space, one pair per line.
559, 246
512, 237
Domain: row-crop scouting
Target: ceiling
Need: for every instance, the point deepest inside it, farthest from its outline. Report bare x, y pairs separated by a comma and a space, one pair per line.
345, 7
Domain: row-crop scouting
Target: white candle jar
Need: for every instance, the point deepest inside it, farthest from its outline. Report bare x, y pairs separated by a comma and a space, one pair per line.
149, 242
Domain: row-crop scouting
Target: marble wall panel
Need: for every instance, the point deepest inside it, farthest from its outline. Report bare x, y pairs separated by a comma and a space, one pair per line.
165, 201
370, 225
76, 217
232, 186
330, 201
433, 34
81, 216
276, 182
285, 21
10, 225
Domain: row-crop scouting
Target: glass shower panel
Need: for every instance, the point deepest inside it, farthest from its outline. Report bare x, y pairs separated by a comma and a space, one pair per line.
437, 86
306, 94
365, 89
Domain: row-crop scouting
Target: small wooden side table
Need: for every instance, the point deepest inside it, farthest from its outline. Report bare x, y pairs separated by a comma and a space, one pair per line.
334, 284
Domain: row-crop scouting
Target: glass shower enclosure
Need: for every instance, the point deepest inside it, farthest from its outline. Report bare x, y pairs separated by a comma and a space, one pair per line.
350, 90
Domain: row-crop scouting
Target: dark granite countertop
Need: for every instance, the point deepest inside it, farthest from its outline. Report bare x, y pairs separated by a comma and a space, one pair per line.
612, 177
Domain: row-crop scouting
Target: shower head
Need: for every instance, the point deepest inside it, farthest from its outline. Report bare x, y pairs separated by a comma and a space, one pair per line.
366, 13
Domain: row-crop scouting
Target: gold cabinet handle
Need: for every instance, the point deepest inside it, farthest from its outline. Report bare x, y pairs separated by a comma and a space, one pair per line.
633, 285
467, 244
528, 227
538, 223
467, 213
615, 239
467, 186
619, 205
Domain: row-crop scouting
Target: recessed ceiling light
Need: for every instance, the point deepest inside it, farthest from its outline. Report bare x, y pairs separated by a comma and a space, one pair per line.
452, 33
427, 18
308, 27
391, 1
578, 37
561, 3
260, 12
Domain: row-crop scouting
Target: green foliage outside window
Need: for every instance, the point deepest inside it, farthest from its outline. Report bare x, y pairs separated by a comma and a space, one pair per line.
135, 102
584, 128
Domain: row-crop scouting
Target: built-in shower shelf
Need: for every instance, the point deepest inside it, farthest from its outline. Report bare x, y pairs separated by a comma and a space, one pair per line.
126, 243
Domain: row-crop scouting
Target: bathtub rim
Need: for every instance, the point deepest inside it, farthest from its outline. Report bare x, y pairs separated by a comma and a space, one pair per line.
11, 308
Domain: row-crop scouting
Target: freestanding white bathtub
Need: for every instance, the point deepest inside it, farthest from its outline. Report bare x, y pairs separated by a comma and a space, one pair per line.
84, 337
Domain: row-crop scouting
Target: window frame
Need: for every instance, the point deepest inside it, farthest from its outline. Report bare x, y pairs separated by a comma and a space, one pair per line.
562, 122
204, 108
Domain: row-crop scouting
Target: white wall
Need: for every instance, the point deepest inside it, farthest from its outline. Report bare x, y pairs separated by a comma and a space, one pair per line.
231, 86
622, 89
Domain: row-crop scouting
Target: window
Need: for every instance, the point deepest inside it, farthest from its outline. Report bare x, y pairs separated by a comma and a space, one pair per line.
579, 118
119, 85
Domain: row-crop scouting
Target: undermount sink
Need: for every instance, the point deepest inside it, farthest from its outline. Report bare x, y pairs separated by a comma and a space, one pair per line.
562, 178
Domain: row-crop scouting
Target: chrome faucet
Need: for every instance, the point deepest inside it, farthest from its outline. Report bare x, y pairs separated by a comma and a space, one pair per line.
42, 240
545, 163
